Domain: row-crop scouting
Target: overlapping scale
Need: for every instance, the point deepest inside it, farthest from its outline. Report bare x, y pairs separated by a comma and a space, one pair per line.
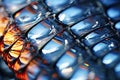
27, 54
56, 6
97, 36
55, 48
109, 2
110, 59
4, 20
36, 70
81, 73
14, 52
67, 63
11, 35
48, 46
76, 13
104, 47
87, 25
116, 11
117, 70
29, 16
41, 33
85, 71
117, 26
14, 5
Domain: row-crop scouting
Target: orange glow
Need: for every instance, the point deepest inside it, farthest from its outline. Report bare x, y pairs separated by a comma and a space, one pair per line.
17, 66
18, 45
24, 57
31, 10
22, 75
3, 20
25, 60
3, 23
11, 35
70, 54
45, 24
10, 58
83, 67
17, 14
17, 52
54, 75
56, 41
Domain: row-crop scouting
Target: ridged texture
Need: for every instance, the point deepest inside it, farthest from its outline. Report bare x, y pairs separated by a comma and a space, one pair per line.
60, 40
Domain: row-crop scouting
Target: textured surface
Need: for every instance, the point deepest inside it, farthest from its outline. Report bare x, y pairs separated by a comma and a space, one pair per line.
60, 40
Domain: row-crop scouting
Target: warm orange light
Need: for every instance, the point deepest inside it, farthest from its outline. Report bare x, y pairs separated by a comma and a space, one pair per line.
18, 45
70, 54
11, 35
22, 76
17, 66
3, 23
3, 20
17, 14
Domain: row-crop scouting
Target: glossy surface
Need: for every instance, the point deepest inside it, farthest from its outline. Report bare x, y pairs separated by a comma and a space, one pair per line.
29, 14
103, 47
58, 5
88, 25
53, 50
33, 70
12, 5
114, 12
110, 59
96, 36
39, 32
64, 65
117, 26
15, 2
109, 2
117, 70
81, 73
70, 15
